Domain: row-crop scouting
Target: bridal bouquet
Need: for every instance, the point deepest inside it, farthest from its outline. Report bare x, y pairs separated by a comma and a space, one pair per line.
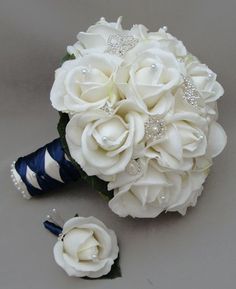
138, 121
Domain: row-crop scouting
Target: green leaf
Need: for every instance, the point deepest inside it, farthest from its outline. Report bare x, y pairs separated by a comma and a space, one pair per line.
114, 273
67, 57
115, 270
96, 183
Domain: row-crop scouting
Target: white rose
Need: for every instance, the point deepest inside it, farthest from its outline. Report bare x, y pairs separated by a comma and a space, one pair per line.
187, 136
204, 79
139, 31
84, 83
184, 138
87, 248
95, 38
205, 82
103, 144
149, 76
164, 40
158, 191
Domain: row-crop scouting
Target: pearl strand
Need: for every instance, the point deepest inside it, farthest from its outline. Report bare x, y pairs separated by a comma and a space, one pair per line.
17, 181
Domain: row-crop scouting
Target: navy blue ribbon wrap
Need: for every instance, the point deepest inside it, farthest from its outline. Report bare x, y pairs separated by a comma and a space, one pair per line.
36, 163
53, 228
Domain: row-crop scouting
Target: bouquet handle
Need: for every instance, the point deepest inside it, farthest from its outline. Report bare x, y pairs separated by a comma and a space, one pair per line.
43, 170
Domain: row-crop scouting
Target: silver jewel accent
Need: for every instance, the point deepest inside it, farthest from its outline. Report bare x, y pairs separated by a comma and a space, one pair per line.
191, 94
154, 128
107, 107
134, 167
120, 44
180, 59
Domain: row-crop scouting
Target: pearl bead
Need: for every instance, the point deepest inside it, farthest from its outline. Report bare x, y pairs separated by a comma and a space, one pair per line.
163, 200
104, 139
210, 75
154, 66
102, 19
163, 197
94, 257
84, 71
165, 28
19, 186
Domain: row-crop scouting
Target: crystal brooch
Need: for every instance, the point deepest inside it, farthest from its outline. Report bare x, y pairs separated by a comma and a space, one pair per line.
154, 129
134, 167
120, 44
107, 108
191, 94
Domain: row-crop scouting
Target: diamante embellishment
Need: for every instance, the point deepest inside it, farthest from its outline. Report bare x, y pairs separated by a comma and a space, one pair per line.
154, 129
107, 107
134, 167
120, 44
180, 59
191, 94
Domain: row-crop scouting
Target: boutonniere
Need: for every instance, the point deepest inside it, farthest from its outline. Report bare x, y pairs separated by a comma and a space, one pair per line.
85, 247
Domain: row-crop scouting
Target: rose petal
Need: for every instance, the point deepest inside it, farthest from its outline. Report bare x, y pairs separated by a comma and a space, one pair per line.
74, 240
217, 139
